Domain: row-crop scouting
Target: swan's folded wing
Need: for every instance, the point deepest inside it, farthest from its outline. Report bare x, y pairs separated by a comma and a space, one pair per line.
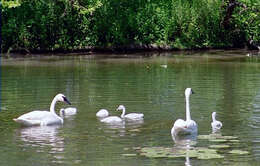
68, 111
102, 113
179, 127
35, 115
112, 119
134, 116
179, 123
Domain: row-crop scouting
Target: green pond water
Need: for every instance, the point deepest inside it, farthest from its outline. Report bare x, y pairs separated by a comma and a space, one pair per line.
227, 82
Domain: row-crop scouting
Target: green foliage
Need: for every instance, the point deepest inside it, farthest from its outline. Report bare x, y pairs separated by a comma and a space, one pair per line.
46, 25
77, 24
10, 4
247, 20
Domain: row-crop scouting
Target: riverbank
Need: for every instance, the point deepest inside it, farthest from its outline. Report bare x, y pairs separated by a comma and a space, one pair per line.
97, 54
131, 49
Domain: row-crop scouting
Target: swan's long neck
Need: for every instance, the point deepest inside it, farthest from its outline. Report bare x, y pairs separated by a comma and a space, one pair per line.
188, 108
213, 117
52, 107
123, 113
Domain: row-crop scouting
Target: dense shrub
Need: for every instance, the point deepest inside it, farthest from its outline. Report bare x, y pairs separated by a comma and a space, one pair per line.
76, 24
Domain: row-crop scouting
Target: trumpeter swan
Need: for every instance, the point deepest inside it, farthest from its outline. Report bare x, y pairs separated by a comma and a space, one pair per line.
215, 124
131, 116
102, 113
189, 126
43, 118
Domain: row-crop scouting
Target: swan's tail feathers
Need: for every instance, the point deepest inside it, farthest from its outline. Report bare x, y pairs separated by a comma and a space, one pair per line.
28, 122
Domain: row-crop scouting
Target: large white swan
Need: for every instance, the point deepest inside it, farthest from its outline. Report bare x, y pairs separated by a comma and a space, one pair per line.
102, 113
215, 124
131, 116
189, 126
68, 111
42, 118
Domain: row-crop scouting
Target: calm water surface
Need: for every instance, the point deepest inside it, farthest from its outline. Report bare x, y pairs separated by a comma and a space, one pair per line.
225, 82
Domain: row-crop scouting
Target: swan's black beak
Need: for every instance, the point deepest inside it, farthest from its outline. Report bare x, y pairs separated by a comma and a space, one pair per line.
66, 100
192, 92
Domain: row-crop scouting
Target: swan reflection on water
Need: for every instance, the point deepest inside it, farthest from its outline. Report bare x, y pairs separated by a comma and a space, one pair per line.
115, 129
42, 136
134, 123
120, 128
124, 124
185, 142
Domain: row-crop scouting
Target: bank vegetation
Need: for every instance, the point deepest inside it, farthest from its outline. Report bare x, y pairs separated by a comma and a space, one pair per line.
74, 25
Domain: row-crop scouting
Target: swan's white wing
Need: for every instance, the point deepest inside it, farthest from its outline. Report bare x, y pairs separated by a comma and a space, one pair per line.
68, 111
178, 126
111, 119
134, 116
102, 113
179, 123
184, 127
35, 115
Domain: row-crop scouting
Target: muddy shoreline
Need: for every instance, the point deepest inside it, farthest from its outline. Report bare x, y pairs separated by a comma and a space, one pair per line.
133, 50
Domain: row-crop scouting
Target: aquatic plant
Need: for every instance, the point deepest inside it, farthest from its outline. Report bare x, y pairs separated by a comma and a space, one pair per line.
214, 151
164, 152
218, 138
219, 146
240, 152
